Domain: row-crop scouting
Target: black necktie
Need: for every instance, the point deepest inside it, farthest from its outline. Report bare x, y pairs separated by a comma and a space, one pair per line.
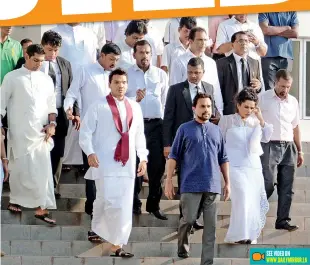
245, 76
197, 89
51, 72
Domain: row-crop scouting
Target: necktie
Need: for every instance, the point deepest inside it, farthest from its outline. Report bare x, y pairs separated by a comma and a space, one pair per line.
197, 89
51, 72
245, 76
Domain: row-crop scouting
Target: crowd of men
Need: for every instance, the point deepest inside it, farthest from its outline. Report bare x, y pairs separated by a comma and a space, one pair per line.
148, 84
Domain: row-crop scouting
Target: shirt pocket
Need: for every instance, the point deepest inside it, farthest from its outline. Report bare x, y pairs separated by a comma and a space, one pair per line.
154, 85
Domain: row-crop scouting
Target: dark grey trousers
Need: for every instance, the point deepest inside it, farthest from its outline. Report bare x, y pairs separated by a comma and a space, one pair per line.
279, 163
190, 203
270, 66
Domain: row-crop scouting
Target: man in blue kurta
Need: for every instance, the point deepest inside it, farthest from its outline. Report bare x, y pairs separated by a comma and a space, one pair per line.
199, 150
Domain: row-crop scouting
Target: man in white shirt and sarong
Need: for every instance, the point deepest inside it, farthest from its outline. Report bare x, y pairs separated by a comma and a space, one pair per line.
28, 96
111, 152
90, 84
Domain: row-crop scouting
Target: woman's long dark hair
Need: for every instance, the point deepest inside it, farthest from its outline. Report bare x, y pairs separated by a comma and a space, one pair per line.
244, 95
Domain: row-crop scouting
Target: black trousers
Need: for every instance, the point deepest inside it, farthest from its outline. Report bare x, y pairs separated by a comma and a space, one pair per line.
279, 165
90, 189
59, 141
153, 130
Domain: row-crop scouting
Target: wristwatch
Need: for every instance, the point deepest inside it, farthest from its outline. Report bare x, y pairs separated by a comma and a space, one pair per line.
53, 122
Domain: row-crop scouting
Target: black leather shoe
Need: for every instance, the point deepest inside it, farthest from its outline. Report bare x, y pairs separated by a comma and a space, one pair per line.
137, 211
183, 255
57, 195
197, 225
287, 227
160, 215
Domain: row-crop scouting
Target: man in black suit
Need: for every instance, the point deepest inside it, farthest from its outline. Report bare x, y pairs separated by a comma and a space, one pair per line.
237, 71
59, 69
178, 109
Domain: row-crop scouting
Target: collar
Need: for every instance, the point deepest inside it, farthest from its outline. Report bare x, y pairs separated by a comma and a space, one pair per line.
125, 44
192, 86
180, 44
7, 40
193, 55
53, 61
274, 95
136, 68
100, 67
238, 58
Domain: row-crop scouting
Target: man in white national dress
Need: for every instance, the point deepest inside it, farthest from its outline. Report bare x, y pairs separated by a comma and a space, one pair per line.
29, 97
111, 151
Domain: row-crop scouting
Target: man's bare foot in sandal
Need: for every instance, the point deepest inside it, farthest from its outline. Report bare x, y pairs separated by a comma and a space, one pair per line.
118, 251
14, 208
45, 216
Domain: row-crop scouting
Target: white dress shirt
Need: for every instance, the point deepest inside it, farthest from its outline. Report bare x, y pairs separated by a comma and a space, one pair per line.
230, 26
98, 135
239, 70
171, 51
193, 89
111, 29
282, 114
172, 29
178, 74
90, 84
126, 60
99, 31
155, 81
79, 45
44, 69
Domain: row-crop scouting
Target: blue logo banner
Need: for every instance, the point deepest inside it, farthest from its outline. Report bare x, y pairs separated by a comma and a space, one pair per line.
292, 256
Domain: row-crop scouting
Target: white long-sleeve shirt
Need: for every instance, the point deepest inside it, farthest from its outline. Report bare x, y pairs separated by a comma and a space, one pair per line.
111, 29
178, 74
99, 30
126, 60
90, 84
98, 138
155, 81
79, 45
29, 98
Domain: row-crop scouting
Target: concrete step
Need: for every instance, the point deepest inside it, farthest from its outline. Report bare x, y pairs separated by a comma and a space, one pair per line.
145, 220
140, 249
37, 260
171, 207
77, 190
142, 234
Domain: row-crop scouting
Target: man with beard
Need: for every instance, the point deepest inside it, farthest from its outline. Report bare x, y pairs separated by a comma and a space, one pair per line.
90, 84
237, 71
200, 177
148, 85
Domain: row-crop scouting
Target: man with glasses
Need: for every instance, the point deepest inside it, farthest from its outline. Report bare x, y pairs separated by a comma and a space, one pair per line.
237, 71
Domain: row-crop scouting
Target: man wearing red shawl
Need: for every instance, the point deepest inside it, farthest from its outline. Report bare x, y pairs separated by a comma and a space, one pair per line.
111, 135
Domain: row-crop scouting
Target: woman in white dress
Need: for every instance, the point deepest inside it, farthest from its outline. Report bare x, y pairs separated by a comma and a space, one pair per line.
243, 132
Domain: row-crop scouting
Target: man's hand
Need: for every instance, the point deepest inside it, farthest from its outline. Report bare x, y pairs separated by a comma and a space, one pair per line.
76, 122
215, 119
93, 160
49, 131
140, 94
141, 168
226, 192
3, 131
167, 151
169, 189
300, 159
253, 39
5, 164
69, 114
255, 84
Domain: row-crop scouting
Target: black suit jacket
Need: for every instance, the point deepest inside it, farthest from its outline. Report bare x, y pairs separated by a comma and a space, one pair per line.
178, 108
228, 78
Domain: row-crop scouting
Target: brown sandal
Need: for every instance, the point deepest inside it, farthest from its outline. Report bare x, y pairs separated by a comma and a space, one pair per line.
122, 253
45, 218
14, 208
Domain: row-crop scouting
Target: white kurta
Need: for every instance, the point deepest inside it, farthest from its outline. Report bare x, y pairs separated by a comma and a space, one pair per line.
29, 98
248, 196
79, 47
112, 214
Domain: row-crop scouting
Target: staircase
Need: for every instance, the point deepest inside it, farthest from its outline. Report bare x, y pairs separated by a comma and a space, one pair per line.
28, 241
